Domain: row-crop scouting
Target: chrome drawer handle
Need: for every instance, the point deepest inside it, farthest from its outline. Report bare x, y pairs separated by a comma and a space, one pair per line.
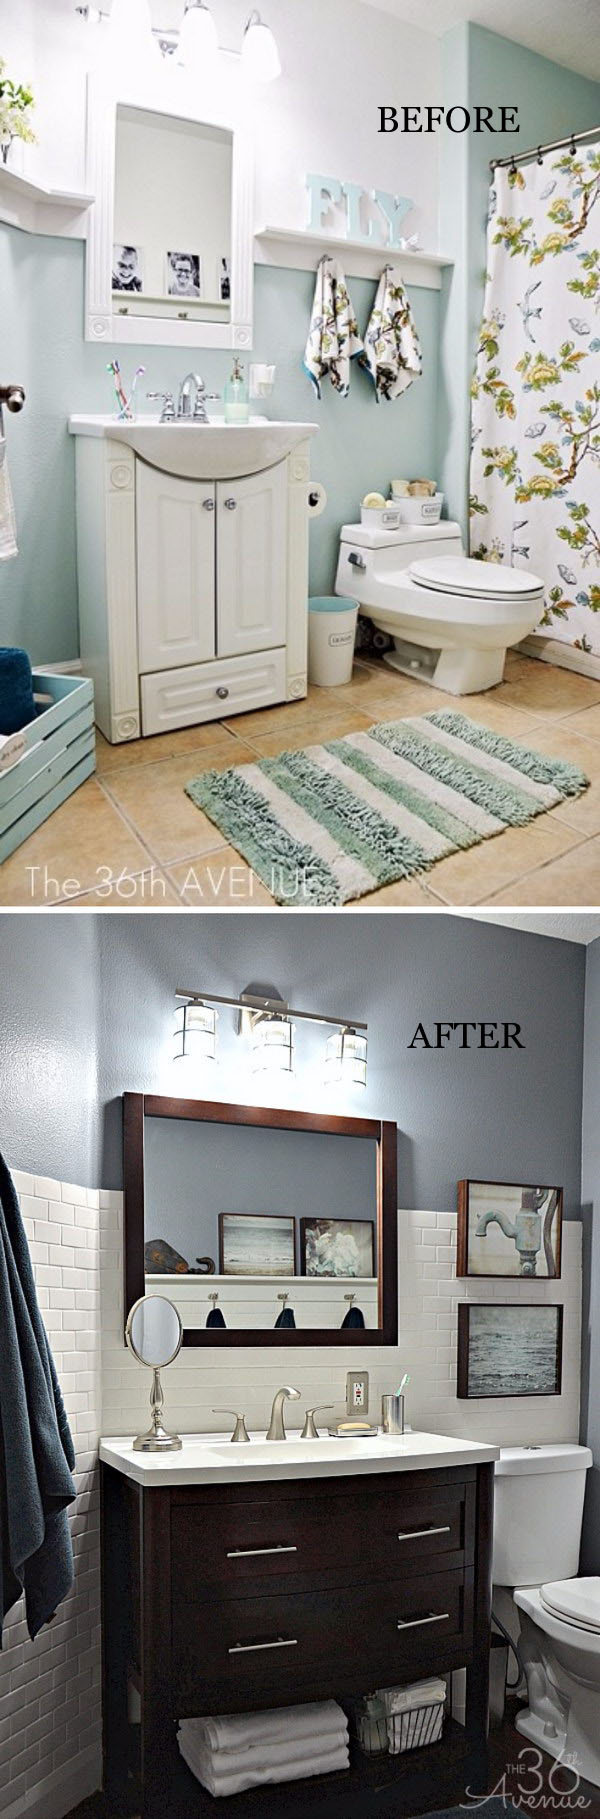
414, 1534
416, 1623
230, 505
252, 1648
246, 1553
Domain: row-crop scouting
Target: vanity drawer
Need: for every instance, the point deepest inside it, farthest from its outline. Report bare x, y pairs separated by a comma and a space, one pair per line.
211, 691
387, 1627
246, 1541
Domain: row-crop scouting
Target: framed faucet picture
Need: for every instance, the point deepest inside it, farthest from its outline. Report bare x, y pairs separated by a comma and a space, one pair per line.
508, 1229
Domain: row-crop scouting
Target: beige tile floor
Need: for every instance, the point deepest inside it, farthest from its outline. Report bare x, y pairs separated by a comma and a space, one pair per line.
131, 837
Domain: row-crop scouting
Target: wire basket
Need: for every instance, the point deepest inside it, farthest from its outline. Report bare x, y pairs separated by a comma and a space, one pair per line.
413, 1729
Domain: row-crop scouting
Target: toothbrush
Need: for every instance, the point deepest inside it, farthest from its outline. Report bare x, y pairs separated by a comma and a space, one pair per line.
405, 1380
137, 375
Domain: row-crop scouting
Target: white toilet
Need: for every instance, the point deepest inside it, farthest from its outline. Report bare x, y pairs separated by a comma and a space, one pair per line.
452, 619
539, 1494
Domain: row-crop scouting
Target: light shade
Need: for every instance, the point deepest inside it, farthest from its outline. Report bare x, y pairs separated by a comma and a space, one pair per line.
131, 26
195, 1032
198, 41
273, 1045
346, 1059
260, 56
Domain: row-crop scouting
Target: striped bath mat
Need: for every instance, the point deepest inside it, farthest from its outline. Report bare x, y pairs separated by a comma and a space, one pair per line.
334, 821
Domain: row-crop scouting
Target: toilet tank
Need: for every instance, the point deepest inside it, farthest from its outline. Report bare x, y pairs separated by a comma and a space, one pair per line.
538, 1510
364, 552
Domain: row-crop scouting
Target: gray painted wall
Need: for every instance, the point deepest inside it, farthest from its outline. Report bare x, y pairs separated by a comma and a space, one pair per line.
196, 1171
48, 1018
590, 1195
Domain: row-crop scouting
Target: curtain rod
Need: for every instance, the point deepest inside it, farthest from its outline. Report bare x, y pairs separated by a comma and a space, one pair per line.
555, 145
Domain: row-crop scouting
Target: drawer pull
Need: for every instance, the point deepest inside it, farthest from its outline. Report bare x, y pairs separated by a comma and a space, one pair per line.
252, 1648
414, 1534
222, 693
415, 1623
247, 1553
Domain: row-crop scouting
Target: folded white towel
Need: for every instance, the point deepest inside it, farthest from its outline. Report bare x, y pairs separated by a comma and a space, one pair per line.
411, 1698
392, 352
333, 338
286, 1722
202, 1766
8, 526
294, 1749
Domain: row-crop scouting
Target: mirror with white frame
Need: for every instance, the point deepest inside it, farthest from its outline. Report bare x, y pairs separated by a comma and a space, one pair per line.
170, 253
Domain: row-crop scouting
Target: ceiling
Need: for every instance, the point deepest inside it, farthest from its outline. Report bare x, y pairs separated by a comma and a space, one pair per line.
564, 925
567, 31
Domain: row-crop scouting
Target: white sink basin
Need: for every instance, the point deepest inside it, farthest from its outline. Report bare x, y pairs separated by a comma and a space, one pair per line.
211, 1458
201, 451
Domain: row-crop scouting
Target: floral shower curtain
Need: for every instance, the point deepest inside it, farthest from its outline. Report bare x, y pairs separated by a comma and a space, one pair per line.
535, 461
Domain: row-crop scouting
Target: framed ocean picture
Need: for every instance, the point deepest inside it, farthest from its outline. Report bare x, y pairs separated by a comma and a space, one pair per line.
508, 1228
256, 1244
509, 1349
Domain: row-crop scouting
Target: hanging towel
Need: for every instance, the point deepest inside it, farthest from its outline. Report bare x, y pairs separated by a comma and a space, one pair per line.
333, 338
36, 1449
354, 1317
286, 1317
216, 1317
392, 353
8, 526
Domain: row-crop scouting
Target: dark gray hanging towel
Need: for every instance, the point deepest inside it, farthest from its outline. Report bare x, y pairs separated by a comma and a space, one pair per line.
36, 1450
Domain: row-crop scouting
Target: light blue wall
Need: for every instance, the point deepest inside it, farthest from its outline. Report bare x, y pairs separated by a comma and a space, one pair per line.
360, 446
479, 66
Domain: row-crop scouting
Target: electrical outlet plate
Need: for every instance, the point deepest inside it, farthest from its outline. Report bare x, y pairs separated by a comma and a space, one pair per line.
357, 1392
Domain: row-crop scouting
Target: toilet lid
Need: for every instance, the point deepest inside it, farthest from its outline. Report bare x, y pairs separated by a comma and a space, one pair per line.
577, 1600
462, 575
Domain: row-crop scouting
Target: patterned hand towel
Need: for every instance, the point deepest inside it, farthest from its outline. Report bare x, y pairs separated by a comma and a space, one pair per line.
333, 338
392, 352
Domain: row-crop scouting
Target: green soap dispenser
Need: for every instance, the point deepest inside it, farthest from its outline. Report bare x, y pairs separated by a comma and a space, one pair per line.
235, 395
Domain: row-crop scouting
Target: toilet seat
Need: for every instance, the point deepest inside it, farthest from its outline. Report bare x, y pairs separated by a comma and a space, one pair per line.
483, 580
577, 1601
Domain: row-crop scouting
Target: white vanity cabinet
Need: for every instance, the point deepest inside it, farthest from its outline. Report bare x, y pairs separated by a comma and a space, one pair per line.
192, 592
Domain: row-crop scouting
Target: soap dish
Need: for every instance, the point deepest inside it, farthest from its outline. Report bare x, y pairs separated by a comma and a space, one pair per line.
353, 1430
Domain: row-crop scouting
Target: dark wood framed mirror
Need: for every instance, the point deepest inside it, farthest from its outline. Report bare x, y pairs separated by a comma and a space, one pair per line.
259, 1212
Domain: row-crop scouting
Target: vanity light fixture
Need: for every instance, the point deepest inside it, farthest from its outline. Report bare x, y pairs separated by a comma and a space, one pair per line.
195, 1031
346, 1058
268, 1022
195, 43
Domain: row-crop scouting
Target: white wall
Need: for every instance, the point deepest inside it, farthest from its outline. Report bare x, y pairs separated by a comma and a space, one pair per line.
341, 60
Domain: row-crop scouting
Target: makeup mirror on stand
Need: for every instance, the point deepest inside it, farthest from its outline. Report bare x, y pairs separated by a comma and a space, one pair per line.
154, 1333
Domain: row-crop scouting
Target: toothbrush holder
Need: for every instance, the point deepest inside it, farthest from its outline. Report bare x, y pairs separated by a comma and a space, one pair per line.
392, 1414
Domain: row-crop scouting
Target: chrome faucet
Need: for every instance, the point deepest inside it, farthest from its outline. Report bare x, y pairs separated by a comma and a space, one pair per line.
276, 1427
184, 402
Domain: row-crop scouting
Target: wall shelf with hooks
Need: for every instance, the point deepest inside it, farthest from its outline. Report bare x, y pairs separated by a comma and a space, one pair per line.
36, 209
300, 250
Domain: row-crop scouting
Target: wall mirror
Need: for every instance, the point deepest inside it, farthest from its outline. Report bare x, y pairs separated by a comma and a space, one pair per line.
169, 255
263, 1227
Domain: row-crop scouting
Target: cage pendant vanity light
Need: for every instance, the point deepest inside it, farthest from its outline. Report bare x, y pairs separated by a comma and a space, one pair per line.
268, 1023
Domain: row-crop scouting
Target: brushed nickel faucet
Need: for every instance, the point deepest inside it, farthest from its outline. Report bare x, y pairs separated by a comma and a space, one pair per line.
276, 1426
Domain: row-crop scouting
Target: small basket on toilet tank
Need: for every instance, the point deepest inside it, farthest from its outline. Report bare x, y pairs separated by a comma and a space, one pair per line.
420, 511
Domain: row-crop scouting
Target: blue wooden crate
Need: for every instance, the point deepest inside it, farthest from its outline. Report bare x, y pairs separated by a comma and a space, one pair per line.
60, 752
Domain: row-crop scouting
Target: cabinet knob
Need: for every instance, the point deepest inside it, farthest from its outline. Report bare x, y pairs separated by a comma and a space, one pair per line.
222, 694
209, 505
230, 505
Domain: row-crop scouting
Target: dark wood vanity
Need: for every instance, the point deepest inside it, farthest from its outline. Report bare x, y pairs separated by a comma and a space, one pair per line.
239, 1597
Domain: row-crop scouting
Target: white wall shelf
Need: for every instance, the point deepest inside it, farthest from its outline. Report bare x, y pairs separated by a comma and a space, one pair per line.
299, 250
39, 210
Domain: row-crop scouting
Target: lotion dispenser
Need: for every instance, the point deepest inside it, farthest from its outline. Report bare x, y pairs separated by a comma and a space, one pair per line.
235, 395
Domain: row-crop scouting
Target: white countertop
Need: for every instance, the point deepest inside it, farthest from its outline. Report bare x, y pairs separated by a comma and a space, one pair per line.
212, 1459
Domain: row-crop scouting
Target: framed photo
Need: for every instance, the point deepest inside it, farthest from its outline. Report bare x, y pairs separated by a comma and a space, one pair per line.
225, 280
127, 268
256, 1244
508, 1229
184, 275
337, 1247
507, 1349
